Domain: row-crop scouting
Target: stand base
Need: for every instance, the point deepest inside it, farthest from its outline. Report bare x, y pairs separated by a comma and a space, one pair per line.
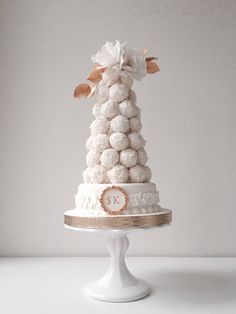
118, 294
118, 284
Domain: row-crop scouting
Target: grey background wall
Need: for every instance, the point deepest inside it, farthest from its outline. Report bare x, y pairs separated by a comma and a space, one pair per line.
188, 120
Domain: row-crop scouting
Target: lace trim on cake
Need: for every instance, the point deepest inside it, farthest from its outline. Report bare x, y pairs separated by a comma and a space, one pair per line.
134, 211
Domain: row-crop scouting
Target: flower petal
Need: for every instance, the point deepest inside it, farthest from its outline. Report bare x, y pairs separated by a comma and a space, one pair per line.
108, 55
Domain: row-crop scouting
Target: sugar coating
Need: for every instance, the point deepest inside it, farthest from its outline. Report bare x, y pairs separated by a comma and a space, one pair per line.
127, 109
136, 140
110, 109
148, 174
132, 96
101, 142
138, 111
110, 76
137, 174
89, 143
118, 174
109, 158
115, 147
135, 124
119, 124
109, 132
118, 92
102, 92
98, 174
86, 175
126, 79
119, 141
96, 109
128, 158
99, 125
93, 158
142, 156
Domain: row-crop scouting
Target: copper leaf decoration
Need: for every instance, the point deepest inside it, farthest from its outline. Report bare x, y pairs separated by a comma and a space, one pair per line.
82, 90
92, 90
151, 59
96, 76
152, 67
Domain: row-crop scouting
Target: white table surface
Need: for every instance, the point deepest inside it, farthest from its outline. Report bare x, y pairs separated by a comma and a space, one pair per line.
55, 285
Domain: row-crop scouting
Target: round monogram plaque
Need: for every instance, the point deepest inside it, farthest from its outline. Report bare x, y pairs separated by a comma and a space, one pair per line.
114, 200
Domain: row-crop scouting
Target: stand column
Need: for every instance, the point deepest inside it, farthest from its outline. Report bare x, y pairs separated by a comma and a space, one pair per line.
118, 284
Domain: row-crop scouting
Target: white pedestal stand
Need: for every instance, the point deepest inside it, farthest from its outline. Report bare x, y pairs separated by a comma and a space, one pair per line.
117, 284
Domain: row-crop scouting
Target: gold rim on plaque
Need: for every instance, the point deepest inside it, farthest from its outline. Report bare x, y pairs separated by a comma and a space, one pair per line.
163, 217
109, 211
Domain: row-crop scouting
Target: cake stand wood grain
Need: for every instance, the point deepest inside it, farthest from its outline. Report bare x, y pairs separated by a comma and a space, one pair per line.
72, 218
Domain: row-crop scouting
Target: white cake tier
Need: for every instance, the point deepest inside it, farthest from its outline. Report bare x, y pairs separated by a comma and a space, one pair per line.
142, 198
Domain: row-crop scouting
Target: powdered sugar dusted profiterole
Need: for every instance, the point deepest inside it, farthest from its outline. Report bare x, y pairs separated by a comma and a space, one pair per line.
117, 178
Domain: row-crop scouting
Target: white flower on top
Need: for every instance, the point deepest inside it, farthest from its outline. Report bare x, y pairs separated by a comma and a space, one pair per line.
122, 57
134, 62
109, 55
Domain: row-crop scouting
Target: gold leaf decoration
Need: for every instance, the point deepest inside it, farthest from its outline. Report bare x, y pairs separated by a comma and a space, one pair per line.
95, 76
151, 59
100, 67
152, 67
97, 66
82, 90
92, 90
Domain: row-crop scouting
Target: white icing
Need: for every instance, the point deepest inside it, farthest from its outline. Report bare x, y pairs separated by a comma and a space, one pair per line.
143, 198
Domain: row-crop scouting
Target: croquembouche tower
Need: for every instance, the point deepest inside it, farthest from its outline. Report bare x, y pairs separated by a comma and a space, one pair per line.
117, 178
117, 196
